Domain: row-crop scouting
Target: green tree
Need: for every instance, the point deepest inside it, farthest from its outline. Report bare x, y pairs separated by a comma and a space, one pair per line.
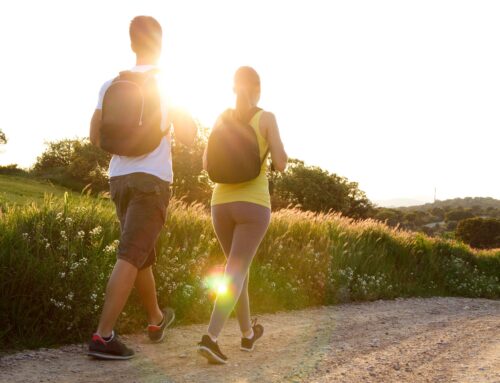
458, 215
3, 138
315, 189
438, 213
391, 216
191, 183
74, 163
480, 233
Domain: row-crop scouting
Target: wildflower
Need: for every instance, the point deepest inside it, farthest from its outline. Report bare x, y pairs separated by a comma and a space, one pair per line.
63, 235
57, 304
93, 296
83, 261
25, 236
70, 296
47, 245
62, 274
69, 221
80, 234
110, 249
95, 231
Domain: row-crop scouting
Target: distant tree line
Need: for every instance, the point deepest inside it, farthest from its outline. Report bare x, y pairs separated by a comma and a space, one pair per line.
77, 164
447, 219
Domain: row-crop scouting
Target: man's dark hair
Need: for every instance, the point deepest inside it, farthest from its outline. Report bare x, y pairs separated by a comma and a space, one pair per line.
145, 35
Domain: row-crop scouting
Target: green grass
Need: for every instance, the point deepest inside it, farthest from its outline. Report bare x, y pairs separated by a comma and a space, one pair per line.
56, 256
22, 190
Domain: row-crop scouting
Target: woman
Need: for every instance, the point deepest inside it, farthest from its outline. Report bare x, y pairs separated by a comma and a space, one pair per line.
241, 214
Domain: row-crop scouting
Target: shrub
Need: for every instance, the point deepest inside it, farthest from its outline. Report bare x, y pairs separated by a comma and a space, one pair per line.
13, 170
74, 163
314, 189
481, 233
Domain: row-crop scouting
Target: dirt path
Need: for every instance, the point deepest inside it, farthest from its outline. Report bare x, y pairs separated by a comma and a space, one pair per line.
413, 340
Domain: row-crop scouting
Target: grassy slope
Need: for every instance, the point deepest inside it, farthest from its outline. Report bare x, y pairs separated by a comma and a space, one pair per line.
22, 190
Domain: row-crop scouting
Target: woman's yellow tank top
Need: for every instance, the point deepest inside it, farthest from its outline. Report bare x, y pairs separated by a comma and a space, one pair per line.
256, 190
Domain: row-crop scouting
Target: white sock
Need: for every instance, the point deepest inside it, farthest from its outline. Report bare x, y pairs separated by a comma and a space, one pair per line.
214, 338
248, 334
110, 338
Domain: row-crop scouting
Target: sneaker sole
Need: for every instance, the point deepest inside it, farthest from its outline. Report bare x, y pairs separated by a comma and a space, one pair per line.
208, 354
102, 356
164, 332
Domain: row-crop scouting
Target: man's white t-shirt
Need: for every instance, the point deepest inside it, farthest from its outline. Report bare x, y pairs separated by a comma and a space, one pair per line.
159, 161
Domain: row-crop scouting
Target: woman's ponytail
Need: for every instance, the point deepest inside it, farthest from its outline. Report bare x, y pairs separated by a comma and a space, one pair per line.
246, 82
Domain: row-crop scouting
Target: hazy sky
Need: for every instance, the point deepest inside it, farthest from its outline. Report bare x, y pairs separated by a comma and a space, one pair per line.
400, 96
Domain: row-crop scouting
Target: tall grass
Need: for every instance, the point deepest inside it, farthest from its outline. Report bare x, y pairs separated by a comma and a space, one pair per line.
56, 256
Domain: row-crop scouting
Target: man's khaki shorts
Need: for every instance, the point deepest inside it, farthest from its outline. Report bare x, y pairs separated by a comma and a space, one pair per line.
141, 202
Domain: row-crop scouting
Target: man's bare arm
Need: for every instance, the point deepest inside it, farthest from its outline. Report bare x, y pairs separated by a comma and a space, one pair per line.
95, 125
185, 128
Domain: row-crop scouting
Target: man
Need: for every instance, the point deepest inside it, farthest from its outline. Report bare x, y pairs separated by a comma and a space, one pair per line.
140, 189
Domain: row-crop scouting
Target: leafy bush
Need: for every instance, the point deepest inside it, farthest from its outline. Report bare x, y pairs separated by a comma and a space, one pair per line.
191, 183
77, 164
314, 189
74, 163
481, 233
458, 215
56, 257
13, 170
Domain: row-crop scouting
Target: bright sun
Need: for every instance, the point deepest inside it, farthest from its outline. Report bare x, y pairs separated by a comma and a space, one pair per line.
203, 96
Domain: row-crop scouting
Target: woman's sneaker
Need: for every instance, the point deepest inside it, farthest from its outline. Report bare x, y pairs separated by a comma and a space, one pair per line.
112, 349
247, 344
157, 333
210, 350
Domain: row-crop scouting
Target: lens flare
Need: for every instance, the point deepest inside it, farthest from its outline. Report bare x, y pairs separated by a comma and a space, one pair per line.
222, 288
216, 283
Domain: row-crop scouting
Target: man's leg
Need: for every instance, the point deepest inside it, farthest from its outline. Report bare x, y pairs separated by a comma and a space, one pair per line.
118, 290
146, 287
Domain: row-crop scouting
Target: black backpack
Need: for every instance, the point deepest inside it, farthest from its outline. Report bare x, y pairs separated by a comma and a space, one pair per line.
233, 154
131, 115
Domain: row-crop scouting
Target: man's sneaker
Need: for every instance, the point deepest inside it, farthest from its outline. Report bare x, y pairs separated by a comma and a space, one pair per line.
247, 344
157, 333
113, 349
210, 350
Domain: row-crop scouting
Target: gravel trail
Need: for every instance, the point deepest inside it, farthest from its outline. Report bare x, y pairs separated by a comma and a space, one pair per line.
404, 340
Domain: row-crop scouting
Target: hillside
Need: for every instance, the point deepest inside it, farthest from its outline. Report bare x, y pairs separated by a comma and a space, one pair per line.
22, 190
484, 203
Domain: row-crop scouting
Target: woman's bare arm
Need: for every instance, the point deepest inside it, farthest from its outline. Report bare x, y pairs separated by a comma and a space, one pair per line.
271, 132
